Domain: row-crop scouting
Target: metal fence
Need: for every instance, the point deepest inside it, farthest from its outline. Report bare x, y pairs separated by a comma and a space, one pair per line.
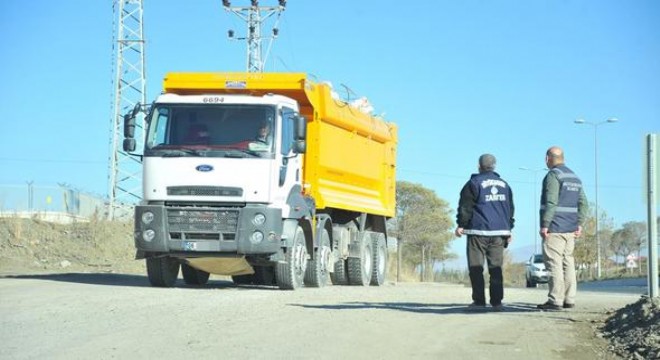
32, 200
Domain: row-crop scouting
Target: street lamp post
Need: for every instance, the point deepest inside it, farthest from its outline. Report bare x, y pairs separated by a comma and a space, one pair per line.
536, 202
595, 126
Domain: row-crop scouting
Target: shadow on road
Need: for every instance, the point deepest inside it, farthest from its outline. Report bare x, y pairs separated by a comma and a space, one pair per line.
440, 309
114, 280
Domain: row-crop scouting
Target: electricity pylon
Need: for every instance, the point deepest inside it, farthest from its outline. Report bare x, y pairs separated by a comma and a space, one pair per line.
129, 87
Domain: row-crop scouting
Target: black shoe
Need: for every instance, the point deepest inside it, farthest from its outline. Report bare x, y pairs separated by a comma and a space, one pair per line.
476, 307
568, 306
548, 306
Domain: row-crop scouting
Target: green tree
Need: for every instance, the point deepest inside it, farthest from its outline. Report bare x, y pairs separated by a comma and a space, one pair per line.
422, 226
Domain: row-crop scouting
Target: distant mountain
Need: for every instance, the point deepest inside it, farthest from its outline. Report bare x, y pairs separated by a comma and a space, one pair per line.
523, 253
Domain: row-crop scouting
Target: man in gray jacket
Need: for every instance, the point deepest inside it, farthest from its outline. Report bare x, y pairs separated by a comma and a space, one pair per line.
563, 211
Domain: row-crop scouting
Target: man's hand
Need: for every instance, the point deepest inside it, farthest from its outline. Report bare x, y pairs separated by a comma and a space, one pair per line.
508, 240
543, 232
578, 232
458, 232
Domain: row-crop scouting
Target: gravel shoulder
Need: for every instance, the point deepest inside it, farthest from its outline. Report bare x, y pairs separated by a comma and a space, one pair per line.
64, 316
74, 291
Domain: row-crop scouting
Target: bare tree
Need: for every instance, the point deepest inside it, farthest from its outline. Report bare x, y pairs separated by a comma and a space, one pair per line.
586, 248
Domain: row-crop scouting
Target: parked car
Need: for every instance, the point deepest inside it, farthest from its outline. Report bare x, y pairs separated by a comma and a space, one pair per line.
536, 272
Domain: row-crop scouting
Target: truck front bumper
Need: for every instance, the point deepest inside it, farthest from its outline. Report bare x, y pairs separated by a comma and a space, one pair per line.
253, 229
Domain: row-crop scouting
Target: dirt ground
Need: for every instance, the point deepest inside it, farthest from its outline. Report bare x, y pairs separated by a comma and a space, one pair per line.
33, 246
29, 246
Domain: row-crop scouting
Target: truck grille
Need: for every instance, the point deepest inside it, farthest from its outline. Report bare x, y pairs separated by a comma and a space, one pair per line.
204, 191
203, 221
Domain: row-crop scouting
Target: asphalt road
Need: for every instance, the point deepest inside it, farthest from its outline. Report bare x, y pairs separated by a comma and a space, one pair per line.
114, 316
629, 286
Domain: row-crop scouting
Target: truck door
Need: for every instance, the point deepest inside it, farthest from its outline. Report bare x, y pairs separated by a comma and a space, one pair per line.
290, 167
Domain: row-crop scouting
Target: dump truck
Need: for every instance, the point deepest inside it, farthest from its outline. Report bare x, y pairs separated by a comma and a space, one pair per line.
266, 177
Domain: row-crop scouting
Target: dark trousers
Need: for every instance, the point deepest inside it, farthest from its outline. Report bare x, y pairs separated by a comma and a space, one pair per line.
491, 248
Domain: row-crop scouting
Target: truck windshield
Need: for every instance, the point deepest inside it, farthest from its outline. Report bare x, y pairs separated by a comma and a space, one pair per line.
224, 130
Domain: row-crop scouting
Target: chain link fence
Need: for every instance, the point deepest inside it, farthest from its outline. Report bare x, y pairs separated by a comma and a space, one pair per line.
61, 203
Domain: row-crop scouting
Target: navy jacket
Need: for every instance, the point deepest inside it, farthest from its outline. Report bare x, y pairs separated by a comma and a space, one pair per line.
486, 206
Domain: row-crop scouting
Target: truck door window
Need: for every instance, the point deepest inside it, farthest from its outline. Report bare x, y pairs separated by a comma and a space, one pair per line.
287, 130
158, 128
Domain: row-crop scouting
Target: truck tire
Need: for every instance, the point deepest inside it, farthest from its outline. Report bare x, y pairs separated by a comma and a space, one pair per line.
264, 275
380, 261
317, 274
360, 268
243, 279
162, 271
290, 273
192, 276
340, 276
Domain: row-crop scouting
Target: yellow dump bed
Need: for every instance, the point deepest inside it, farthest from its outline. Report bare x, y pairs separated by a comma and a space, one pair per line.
351, 155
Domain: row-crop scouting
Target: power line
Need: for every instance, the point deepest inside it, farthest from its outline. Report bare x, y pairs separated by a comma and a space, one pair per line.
43, 160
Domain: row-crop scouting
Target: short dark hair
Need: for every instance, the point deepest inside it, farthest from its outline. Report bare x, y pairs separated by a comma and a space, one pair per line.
487, 162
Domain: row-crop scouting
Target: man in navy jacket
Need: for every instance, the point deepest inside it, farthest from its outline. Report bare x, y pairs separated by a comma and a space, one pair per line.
485, 215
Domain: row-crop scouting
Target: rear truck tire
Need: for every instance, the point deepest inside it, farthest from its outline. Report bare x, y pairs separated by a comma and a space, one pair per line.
340, 276
162, 271
380, 261
317, 274
290, 273
192, 276
243, 279
360, 268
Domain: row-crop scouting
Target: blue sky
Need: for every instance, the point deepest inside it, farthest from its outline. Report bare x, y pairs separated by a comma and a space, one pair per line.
460, 78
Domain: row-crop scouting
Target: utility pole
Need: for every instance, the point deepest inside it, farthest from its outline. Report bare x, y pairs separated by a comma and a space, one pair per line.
255, 16
536, 201
129, 89
597, 233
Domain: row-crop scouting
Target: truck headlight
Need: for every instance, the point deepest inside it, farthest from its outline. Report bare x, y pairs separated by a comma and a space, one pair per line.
257, 237
148, 235
147, 217
259, 219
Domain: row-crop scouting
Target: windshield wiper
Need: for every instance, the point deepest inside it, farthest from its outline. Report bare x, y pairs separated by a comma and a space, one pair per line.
183, 152
239, 153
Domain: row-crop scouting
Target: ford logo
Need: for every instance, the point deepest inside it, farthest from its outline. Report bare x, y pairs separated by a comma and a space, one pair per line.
204, 168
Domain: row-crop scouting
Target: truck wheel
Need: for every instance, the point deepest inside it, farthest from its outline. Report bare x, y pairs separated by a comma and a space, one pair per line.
360, 269
291, 272
380, 261
192, 276
317, 274
340, 276
162, 271
243, 279
264, 275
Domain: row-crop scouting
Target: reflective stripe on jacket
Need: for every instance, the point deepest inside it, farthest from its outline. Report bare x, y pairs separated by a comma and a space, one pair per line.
492, 207
565, 218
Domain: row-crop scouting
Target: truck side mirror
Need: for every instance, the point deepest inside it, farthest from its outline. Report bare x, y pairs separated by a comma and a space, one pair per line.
299, 147
136, 110
129, 145
299, 134
299, 128
129, 126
